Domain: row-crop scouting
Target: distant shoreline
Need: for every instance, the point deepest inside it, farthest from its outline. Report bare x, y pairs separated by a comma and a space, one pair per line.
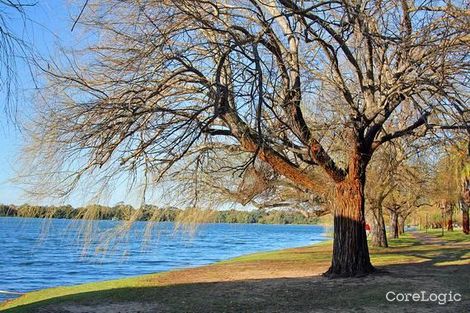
124, 212
202, 222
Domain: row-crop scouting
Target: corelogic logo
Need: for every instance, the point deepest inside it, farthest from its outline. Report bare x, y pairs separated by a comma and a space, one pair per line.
423, 296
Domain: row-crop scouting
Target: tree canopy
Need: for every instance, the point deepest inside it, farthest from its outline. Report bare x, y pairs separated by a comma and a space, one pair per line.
169, 87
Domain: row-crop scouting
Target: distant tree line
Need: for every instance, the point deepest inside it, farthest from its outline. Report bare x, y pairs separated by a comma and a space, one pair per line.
153, 213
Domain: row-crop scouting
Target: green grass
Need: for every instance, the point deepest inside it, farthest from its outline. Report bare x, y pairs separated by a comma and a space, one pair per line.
77, 291
452, 236
316, 252
405, 251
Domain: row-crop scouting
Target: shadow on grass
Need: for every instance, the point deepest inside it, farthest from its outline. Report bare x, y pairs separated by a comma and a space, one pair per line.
302, 294
451, 236
307, 294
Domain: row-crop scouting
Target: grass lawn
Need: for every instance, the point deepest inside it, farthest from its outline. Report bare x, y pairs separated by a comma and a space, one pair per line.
280, 281
454, 236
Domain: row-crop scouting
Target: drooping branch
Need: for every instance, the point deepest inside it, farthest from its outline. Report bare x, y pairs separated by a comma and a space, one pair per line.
268, 76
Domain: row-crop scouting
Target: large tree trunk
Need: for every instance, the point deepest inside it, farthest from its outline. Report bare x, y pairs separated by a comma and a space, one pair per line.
394, 226
350, 251
378, 232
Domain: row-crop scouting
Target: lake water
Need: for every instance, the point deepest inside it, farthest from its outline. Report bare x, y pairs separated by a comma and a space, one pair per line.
37, 253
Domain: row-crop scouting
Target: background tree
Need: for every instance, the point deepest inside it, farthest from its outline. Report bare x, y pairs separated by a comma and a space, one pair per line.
385, 172
451, 183
462, 159
389, 169
410, 192
465, 202
296, 85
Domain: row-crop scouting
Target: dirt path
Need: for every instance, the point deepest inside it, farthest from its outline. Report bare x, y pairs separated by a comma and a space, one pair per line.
428, 239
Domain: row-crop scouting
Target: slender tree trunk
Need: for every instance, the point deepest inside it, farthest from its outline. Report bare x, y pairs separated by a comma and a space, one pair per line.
426, 223
465, 201
394, 226
443, 217
450, 221
401, 224
378, 232
350, 251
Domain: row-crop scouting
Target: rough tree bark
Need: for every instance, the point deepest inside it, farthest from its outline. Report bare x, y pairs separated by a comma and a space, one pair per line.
465, 203
450, 220
465, 222
378, 231
465, 217
350, 251
401, 224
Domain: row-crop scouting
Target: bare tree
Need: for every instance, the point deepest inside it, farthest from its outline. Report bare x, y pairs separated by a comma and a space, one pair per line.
403, 186
296, 85
398, 176
383, 177
400, 210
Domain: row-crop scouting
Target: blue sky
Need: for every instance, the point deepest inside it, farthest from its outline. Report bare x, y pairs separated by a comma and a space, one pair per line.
44, 26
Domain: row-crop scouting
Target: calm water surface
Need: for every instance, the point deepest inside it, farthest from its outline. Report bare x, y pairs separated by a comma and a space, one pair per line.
37, 253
